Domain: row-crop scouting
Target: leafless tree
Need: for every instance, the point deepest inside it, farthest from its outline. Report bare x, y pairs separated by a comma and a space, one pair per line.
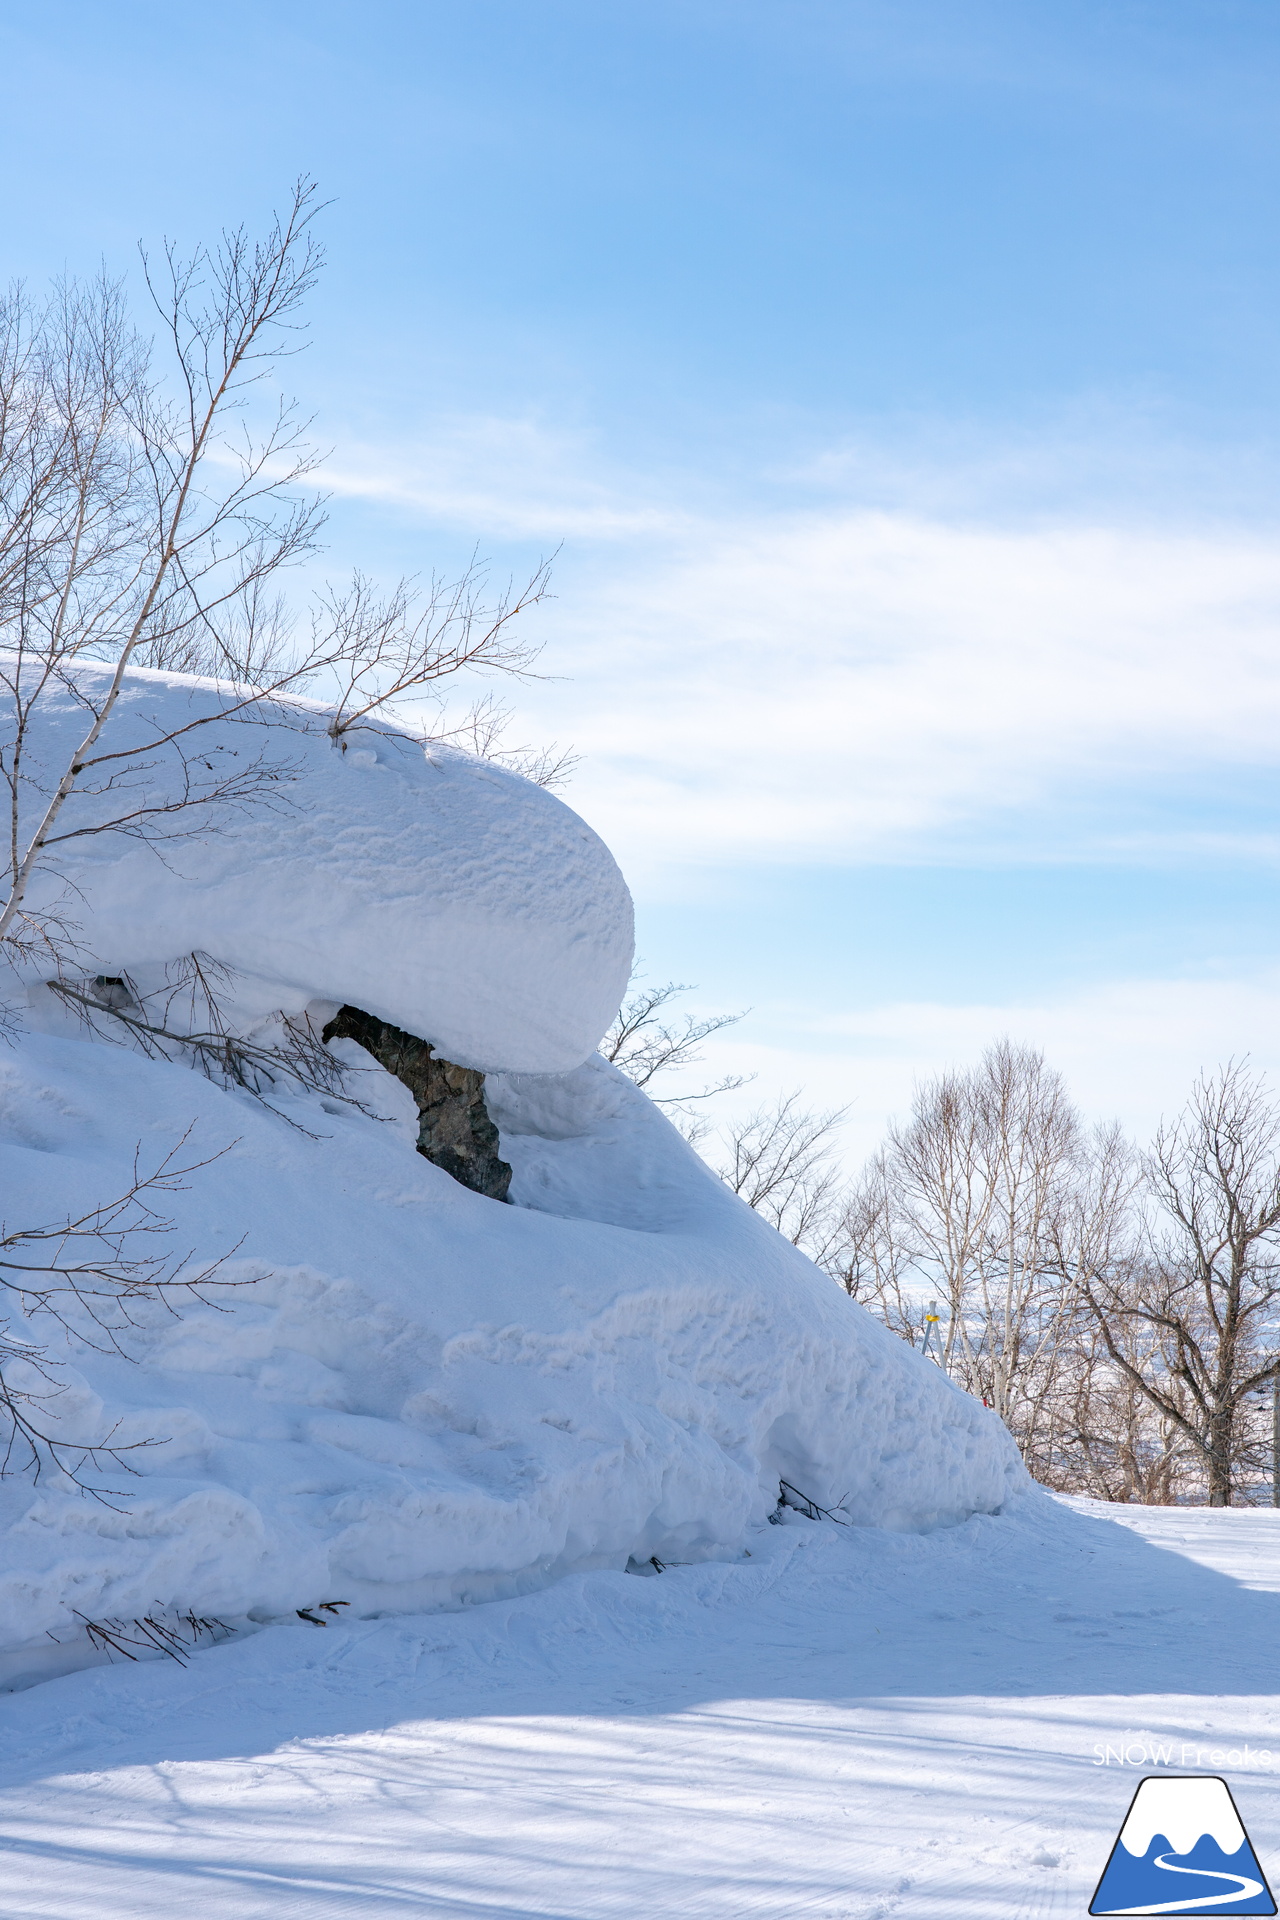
781, 1161
974, 1188
879, 1259
1073, 1418
1102, 1435
141, 521
1120, 1311
935, 1197
1205, 1289
994, 1199
151, 499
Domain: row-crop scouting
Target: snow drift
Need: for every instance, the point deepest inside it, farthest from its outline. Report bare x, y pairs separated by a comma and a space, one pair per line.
419, 1396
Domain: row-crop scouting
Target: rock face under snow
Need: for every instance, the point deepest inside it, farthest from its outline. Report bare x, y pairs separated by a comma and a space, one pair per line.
454, 1128
399, 1394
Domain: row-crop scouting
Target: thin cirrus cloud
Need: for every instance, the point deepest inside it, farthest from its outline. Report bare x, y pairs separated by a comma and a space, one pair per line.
498, 478
849, 684
870, 686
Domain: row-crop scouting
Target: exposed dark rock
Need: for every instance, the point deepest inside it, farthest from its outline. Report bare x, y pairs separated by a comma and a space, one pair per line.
454, 1128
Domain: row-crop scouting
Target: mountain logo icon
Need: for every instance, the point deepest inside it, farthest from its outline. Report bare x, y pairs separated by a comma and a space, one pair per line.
1182, 1850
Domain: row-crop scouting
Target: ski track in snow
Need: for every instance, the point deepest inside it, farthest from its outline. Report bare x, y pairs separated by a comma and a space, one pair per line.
849, 1723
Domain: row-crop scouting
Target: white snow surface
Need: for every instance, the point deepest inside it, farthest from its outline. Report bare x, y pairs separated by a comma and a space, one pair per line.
399, 1394
419, 1396
845, 1725
440, 892
466, 1421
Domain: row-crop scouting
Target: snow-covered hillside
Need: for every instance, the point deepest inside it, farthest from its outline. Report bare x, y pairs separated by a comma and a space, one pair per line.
419, 1396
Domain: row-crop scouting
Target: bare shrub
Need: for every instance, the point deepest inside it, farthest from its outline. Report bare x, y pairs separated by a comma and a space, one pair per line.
644, 1042
87, 1275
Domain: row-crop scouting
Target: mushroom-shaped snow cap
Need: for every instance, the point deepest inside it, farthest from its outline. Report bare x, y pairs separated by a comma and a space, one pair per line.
441, 892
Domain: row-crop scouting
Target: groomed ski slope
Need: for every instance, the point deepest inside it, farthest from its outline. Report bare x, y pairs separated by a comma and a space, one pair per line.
845, 1723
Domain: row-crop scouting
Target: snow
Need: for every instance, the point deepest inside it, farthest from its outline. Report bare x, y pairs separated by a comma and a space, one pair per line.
402, 1395
848, 1724
472, 1424
439, 892
421, 1397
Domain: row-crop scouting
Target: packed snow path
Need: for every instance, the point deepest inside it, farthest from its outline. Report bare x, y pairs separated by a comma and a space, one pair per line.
844, 1723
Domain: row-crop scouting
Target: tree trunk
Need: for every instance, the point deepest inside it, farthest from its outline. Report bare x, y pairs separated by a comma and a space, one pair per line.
1220, 1460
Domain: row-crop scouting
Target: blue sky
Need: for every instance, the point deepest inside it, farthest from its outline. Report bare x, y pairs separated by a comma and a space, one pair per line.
902, 381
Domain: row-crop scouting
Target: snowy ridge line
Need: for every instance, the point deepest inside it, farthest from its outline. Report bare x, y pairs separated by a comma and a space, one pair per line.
563, 1394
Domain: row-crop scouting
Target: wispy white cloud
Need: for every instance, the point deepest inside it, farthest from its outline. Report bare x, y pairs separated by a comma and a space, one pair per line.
501, 478
940, 680
872, 686
847, 683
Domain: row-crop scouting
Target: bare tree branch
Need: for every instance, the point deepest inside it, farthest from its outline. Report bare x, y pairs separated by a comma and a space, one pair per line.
1206, 1284
89, 1273
147, 513
643, 1045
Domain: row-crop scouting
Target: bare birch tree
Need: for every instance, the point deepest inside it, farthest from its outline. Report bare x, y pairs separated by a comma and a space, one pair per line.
974, 1185
1121, 1312
1205, 1289
995, 1200
152, 497
880, 1259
